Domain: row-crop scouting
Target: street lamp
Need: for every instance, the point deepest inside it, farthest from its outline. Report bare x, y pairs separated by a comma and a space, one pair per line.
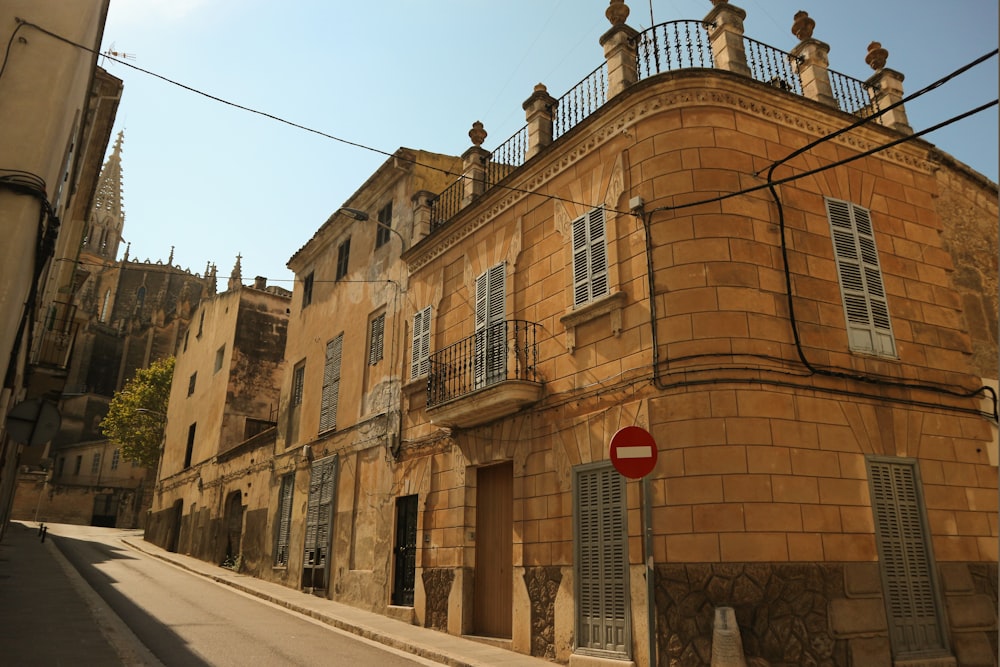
361, 216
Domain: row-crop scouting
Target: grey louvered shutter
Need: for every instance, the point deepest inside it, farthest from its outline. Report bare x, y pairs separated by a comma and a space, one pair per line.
590, 257
602, 560
319, 512
865, 306
490, 344
420, 355
284, 519
376, 343
331, 385
906, 562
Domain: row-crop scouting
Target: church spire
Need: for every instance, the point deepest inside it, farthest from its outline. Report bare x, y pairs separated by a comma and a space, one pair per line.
236, 278
107, 216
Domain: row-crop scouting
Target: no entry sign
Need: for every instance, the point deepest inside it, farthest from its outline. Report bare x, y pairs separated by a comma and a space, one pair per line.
633, 452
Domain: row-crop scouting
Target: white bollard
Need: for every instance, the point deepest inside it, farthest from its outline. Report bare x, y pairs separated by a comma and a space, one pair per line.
727, 645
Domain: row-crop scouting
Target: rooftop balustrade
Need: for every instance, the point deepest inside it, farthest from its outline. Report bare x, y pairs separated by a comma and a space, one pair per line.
714, 43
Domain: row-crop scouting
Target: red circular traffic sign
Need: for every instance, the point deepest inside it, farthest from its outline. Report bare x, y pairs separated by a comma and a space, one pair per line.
633, 452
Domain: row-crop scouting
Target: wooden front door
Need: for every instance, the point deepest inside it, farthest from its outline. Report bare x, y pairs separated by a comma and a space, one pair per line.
494, 583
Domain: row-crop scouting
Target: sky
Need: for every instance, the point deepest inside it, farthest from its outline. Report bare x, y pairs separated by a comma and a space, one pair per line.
213, 180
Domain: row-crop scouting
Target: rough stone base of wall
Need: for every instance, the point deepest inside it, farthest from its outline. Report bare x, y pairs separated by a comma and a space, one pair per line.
437, 588
543, 585
782, 611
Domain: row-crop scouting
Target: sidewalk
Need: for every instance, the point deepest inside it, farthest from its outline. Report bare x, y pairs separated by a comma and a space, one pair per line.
426, 643
49, 615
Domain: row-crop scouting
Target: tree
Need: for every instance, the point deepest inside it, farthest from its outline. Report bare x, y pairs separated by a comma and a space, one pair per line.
137, 415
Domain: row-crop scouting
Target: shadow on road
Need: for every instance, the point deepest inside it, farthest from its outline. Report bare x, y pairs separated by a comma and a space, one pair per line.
163, 642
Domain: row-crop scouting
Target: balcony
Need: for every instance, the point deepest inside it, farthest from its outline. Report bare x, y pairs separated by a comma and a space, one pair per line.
486, 376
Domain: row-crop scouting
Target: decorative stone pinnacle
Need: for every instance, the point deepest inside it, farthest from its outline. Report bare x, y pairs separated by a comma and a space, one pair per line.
617, 12
803, 26
540, 88
876, 56
477, 134
720, 2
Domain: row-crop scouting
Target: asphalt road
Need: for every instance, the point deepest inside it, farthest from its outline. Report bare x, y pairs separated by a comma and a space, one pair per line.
189, 621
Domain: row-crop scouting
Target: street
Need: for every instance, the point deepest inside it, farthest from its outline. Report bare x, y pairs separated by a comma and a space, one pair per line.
185, 619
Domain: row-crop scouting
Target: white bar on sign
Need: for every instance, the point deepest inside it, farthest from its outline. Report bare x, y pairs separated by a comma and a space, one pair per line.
635, 452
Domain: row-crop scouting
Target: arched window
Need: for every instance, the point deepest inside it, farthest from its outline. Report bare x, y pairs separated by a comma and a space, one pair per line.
104, 308
140, 297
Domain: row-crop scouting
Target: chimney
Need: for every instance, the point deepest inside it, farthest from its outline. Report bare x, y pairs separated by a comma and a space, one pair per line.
260, 282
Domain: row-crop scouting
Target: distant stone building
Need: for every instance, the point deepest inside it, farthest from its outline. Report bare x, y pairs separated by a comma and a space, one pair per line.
213, 493
112, 318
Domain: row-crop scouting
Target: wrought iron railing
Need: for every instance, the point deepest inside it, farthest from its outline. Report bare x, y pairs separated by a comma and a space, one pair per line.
498, 353
447, 204
507, 157
673, 45
57, 336
773, 66
580, 101
665, 47
853, 95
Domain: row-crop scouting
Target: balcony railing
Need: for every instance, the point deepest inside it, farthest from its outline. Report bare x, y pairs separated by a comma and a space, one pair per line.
499, 353
57, 336
666, 47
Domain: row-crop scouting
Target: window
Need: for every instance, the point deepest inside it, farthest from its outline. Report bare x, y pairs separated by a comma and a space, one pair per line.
79, 464
201, 324
187, 334
95, 464
191, 382
115, 458
383, 233
331, 385
601, 558
60, 466
491, 348
189, 452
298, 382
104, 307
140, 297
865, 307
220, 356
376, 340
420, 358
307, 290
343, 256
916, 628
590, 258
284, 523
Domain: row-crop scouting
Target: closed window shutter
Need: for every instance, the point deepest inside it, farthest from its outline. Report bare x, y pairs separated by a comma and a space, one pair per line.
318, 512
377, 340
490, 344
331, 385
865, 306
904, 555
590, 258
420, 356
284, 519
602, 560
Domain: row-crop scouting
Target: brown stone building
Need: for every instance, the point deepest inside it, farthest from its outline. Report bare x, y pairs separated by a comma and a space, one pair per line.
213, 493
719, 247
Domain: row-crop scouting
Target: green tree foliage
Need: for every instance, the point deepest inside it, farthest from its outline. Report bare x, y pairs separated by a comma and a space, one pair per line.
137, 415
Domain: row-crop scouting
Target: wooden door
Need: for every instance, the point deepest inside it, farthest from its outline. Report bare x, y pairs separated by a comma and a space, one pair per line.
405, 551
492, 607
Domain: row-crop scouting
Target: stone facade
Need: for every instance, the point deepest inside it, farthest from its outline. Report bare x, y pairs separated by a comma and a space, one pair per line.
452, 397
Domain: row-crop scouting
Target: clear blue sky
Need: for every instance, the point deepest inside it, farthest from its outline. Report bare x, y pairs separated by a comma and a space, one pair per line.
215, 181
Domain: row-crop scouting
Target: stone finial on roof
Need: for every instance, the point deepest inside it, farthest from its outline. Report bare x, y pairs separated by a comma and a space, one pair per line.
617, 12
128, 248
876, 56
477, 134
802, 27
170, 260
